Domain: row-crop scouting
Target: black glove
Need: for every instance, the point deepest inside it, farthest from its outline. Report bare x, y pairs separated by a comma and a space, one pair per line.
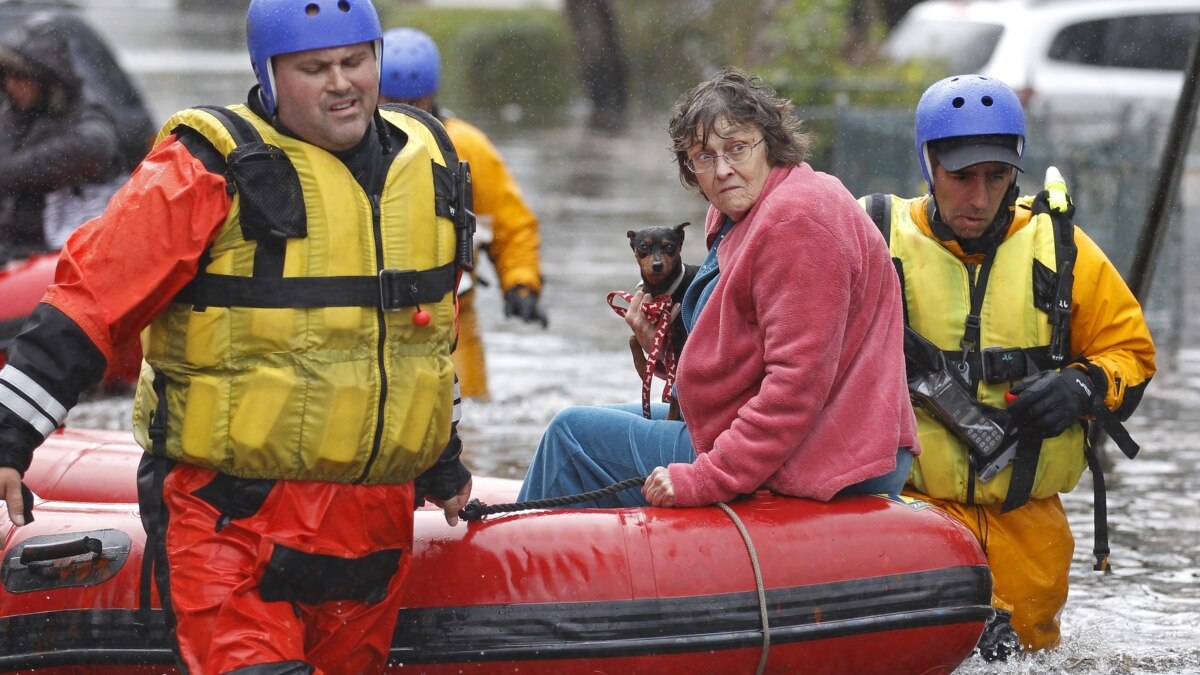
522, 302
446, 477
1049, 402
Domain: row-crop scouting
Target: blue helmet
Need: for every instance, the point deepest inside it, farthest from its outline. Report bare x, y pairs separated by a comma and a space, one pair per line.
275, 27
411, 65
982, 112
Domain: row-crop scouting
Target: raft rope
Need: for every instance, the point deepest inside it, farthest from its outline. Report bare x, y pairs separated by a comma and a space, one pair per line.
758, 584
475, 509
657, 310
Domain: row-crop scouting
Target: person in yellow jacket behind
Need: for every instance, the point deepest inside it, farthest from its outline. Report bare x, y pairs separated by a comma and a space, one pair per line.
988, 282
411, 75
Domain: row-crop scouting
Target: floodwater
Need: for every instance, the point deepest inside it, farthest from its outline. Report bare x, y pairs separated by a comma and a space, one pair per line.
588, 189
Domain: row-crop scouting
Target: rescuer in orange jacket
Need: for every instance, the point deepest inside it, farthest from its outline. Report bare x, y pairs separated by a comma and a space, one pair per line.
293, 261
411, 74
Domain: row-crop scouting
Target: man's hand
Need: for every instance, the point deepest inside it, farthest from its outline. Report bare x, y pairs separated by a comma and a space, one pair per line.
1049, 402
453, 505
522, 302
10, 490
447, 483
658, 489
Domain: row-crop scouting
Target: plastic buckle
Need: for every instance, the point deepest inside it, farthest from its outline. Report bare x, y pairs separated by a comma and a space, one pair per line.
398, 289
1002, 364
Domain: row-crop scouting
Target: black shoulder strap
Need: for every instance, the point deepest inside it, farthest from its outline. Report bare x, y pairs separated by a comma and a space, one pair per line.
272, 201
879, 207
242, 131
453, 191
1065, 252
439, 132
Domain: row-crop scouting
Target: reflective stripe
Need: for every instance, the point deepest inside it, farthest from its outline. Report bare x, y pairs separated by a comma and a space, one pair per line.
456, 411
29, 401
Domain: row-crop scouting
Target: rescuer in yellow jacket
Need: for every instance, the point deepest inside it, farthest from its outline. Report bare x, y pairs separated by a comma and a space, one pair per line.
411, 74
293, 262
1032, 321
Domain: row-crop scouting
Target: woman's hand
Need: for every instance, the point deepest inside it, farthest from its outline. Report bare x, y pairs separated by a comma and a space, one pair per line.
642, 329
658, 489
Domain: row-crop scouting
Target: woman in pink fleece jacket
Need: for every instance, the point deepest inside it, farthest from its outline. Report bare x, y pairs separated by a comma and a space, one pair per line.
792, 377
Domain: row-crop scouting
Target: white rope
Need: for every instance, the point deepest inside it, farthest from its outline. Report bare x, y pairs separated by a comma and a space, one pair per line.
758, 583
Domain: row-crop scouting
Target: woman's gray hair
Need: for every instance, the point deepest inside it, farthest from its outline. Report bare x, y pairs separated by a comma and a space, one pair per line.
746, 101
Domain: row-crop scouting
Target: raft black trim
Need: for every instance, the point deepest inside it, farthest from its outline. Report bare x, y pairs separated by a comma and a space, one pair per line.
83, 637
564, 630
610, 629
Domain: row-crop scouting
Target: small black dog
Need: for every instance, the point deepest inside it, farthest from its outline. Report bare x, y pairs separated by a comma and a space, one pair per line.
659, 255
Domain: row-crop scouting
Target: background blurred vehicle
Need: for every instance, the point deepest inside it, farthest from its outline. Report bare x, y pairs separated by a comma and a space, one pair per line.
1064, 57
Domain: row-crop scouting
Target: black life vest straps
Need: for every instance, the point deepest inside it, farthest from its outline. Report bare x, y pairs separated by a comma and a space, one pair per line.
879, 207
272, 202
1024, 471
390, 291
272, 220
453, 188
1065, 252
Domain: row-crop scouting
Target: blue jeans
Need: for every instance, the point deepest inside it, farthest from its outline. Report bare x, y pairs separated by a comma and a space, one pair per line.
586, 448
589, 447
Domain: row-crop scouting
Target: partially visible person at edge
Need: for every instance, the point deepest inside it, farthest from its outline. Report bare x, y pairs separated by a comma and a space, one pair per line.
508, 227
60, 150
283, 433
979, 265
792, 378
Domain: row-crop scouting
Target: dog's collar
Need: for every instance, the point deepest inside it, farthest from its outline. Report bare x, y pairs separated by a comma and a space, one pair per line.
641, 285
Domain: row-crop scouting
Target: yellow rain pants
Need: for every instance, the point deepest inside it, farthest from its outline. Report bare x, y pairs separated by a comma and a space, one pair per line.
1029, 551
468, 356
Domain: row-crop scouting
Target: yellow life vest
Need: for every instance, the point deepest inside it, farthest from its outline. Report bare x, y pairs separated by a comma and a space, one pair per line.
937, 290
298, 388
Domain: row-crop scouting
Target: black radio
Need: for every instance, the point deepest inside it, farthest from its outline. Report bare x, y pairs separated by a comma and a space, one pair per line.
981, 428
937, 388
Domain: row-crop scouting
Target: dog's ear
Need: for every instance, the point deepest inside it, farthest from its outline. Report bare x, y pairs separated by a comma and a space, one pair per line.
632, 235
679, 228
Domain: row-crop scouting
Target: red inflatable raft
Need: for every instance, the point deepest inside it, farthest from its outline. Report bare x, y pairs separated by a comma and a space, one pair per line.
859, 585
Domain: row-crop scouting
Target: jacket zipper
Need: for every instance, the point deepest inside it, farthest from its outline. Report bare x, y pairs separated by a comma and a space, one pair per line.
377, 227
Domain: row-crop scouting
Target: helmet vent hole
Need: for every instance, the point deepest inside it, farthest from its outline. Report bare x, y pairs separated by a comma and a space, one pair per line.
312, 9
958, 102
987, 101
343, 5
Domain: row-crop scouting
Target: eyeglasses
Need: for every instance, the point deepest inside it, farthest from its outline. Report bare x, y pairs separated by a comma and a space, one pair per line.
706, 161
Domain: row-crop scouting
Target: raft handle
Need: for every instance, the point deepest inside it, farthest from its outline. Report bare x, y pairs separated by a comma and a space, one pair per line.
70, 548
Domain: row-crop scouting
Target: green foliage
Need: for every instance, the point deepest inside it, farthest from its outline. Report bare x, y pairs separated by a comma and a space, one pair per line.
495, 58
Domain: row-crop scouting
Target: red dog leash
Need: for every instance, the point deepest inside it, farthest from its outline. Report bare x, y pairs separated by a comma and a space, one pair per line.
657, 310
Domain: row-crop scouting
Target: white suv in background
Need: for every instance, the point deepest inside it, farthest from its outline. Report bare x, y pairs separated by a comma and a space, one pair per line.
1063, 57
